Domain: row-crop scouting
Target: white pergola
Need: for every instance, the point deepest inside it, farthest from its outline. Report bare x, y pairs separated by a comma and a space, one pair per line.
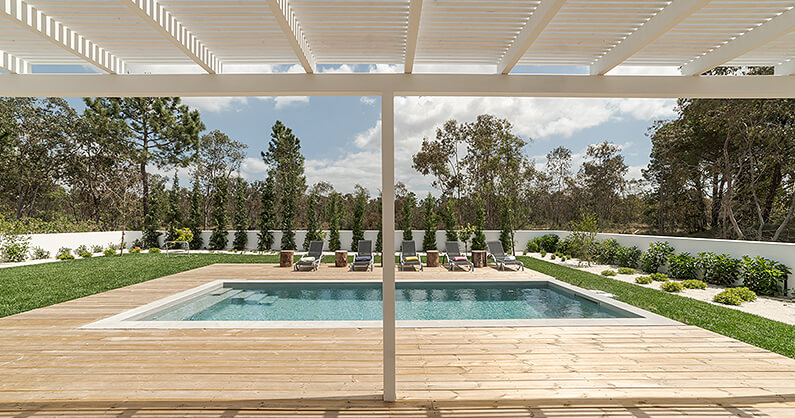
230, 48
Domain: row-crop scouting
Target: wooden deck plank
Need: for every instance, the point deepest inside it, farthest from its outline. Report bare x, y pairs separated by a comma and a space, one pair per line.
49, 366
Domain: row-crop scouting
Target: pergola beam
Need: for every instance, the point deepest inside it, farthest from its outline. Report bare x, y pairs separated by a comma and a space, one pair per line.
285, 15
539, 20
760, 35
415, 14
785, 68
175, 32
493, 85
657, 26
13, 64
36, 21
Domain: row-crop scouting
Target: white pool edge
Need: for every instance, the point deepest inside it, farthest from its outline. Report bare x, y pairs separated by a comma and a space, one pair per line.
129, 319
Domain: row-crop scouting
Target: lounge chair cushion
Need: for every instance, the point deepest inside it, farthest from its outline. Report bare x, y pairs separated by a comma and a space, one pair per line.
509, 258
412, 258
307, 258
363, 258
459, 259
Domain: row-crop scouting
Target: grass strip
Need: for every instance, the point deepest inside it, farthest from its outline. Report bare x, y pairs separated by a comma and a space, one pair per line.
775, 336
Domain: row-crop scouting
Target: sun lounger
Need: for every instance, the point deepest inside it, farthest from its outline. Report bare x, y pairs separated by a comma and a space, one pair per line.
501, 259
364, 257
312, 258
454, 257
409, 256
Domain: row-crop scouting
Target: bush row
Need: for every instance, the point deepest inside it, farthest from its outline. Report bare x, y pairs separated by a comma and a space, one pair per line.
761, 275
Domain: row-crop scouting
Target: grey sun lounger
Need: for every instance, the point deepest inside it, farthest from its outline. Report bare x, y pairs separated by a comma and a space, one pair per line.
364, 257
409, 256
452, 252
312, 258
497, 253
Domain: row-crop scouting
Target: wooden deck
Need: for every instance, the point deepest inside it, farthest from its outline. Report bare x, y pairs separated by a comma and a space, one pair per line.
50, 367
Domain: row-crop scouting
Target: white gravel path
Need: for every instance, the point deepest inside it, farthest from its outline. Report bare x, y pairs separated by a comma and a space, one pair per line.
772, 308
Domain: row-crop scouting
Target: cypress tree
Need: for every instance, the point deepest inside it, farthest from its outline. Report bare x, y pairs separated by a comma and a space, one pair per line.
284, 155
334, 213
479, 238
312, 221
506, 232
267, 217
174, 214
429, 209
407, 216
219, 238
359, 205
241, 220
448, 218
379, 240
196, 214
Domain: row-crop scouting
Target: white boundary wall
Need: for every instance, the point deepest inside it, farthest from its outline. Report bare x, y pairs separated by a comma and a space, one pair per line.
781, 252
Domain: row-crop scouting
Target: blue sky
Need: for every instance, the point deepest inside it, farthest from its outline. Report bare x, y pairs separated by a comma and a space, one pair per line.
341, 135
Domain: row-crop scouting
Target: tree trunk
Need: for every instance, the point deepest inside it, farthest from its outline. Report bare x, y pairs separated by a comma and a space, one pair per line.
729, 189
783, 225
775, 182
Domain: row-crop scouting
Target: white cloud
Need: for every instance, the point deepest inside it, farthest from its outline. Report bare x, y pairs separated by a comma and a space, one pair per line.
386, 68
253, 165
215, 104
644, 70
635, 172
284, 101
342, 69
370, 137
368, 100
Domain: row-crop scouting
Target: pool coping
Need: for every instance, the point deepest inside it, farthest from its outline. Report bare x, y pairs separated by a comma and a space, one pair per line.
130, 319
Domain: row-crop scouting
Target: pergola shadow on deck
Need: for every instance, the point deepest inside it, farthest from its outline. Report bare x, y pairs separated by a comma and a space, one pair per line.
50, 366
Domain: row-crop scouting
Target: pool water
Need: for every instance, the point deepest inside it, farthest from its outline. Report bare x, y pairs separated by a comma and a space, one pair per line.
362, 302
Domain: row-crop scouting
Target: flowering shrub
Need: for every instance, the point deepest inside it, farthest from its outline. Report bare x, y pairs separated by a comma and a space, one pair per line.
154, 250
670, 286
136, 250
694, 284
609, 273
735, 296
659, 277
643, 279
626, 270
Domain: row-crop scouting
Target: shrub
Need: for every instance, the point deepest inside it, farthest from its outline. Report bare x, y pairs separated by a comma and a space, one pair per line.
694, 284
14, 243
81, 249
154, 250
136, 250
552, 257
543, 253
763, 276
718, 269
682, 266
65, 256
735, 296
532, 247
607, 251
548, 242
110, 251
626, 270
85, 254
63, 250
659, 277
670, 286
39, 253
96, 248
581, 242
628, 257
114, 246
609, 273
14, 252
643, 279
656, 256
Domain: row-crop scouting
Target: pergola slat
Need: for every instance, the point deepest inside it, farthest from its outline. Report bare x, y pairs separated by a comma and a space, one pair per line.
285, 15
415, 14
13, 64
539, 20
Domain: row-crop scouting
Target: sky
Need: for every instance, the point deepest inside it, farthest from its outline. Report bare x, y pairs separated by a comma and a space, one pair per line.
340, 136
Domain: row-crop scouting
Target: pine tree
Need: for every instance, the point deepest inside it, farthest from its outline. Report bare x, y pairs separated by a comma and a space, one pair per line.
267, 217
448, 218
359, 205
506, 232
334, 213
429, 209
196, 214
218, 239
407, 216
174, 214
312, 222
479, 238
241, 220
284, 155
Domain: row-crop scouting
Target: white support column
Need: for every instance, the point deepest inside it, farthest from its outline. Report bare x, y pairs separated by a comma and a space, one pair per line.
13, 64
172, 30
388, 239
754, 38
658, 25
36, 21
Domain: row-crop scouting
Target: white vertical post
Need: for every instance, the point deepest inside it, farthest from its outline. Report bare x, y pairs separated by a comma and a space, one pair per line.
388, 241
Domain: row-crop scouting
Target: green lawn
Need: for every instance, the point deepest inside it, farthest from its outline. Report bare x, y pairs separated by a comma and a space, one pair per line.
761, 332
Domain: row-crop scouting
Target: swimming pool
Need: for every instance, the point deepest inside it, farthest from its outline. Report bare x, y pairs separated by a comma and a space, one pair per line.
310, 304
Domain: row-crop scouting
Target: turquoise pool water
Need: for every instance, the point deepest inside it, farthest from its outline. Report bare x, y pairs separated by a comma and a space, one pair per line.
362, 302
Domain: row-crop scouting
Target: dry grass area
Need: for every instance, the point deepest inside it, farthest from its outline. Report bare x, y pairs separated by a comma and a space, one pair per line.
51, 367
